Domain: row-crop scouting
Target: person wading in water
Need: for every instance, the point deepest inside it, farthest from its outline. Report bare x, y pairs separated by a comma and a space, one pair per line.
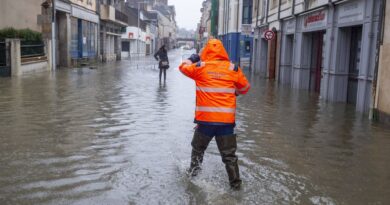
162, 56
218, 83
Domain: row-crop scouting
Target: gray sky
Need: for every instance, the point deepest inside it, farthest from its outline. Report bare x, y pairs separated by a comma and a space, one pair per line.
187, 12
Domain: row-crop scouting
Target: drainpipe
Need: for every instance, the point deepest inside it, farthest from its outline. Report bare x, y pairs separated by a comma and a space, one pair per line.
239, 33
257, 13
53, 35
279, 6
374, 106
293, 7
266, 13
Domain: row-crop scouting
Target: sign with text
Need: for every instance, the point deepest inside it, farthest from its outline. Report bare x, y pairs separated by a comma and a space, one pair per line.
351, 12
315, 20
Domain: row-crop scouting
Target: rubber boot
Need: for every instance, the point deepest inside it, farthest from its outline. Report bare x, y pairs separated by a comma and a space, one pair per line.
199, 145
227, 146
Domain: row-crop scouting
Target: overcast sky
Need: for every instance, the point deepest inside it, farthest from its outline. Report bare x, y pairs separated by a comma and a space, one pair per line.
187, 12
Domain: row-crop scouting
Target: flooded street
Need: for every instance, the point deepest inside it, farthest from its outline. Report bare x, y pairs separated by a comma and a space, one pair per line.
114, 135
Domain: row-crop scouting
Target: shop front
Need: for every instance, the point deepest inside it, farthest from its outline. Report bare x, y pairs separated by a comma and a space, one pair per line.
260, 52
84, 33
76, 34
287, 51
331, 51
308, 66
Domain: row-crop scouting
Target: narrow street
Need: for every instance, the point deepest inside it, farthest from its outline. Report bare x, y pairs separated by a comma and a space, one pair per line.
114, 135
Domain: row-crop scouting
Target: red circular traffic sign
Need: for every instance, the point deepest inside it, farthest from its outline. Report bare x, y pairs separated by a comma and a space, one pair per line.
269, 35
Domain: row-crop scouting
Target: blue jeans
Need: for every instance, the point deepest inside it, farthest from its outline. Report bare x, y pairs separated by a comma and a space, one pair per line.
216, 130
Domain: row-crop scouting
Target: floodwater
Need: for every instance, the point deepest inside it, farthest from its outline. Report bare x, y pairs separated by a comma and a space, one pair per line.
114, 135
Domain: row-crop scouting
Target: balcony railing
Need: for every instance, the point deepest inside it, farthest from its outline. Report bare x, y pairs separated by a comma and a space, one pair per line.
119, 16
109, 13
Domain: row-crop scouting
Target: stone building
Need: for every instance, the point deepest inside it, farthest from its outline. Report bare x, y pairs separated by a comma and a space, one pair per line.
382, 99
323, 46
12, 14
234, 18
76, 31
112, 25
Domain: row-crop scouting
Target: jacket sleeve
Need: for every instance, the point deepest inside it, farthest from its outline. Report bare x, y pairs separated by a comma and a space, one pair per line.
157, 54
189, 70
242, 84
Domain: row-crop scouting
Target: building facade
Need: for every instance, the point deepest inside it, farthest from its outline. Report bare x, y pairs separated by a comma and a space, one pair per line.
77, 25
323, 46
21, 17
112, 25
382, 99
234, 17
204, 26
140, 35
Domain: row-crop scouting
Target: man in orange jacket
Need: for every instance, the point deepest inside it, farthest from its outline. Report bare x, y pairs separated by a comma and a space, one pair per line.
218, 82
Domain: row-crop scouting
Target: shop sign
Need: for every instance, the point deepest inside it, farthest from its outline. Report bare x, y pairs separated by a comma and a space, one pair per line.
84, 14
315, 20
131, 35
269, 35
246, 29
351, 12
62, 6
262, 31
290, 26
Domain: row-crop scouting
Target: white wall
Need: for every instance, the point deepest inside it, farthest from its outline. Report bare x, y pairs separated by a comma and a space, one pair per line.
230, 16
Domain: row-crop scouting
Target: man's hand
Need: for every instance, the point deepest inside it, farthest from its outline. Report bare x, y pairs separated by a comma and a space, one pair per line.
194, 58
187, 62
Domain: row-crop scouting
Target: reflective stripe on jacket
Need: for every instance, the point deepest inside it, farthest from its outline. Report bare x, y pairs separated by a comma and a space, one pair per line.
217, 83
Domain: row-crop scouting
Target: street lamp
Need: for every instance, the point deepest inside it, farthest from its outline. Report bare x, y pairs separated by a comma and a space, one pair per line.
139, 3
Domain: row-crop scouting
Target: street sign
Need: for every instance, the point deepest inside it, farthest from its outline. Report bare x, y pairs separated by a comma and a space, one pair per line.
269, 35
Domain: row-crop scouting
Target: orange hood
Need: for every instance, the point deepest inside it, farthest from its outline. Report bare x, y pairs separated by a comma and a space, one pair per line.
214, 50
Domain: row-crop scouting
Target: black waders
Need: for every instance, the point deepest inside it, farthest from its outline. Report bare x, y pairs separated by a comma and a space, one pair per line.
227, 146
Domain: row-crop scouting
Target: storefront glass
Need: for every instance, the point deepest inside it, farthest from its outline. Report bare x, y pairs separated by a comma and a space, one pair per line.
83, 39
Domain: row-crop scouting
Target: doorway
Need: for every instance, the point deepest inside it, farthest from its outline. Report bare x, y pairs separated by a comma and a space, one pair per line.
286, 65
316, 60
263, 57
354, 64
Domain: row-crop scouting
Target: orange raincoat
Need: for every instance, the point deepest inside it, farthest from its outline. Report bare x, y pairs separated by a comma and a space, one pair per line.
218, 81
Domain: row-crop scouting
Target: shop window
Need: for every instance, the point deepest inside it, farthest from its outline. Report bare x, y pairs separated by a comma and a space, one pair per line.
126, 46
247, 46
74, 38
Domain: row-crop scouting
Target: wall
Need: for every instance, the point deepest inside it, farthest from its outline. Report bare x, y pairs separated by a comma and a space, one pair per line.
12, 14
88, 4
383, 94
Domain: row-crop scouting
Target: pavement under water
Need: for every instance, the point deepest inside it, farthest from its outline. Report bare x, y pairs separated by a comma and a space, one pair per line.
115, 135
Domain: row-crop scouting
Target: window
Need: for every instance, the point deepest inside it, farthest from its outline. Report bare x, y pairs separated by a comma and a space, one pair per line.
74, 36
247, 46
247, 12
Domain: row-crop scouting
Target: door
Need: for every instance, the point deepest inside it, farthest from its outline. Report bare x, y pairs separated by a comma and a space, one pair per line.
354, 64
263, 57
5, 67
317, 42
318, 70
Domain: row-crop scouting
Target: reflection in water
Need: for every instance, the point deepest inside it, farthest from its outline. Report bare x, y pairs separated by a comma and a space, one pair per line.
116, 136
